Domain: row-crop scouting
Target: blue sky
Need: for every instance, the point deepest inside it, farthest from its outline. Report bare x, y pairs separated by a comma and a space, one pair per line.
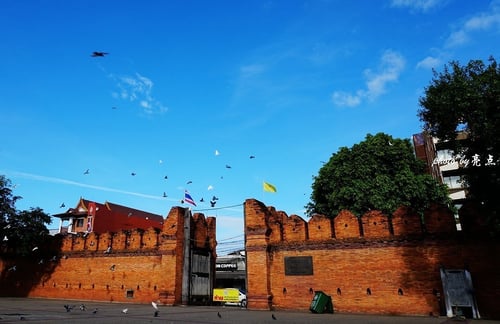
289, 82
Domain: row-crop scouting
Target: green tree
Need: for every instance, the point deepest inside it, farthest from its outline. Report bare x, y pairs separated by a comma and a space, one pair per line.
467, 99
380, 173
20, 231
7, 203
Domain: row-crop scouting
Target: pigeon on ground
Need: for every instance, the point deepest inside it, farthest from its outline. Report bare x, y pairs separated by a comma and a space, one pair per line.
157, 313
94, 311
68, 308
274, 317
219, 315
125, 310
83, 308
155, 305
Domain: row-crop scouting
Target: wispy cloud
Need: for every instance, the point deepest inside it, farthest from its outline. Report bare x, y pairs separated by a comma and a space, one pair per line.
138, 88
429, 62
391, 66
419, 5
463, 33
251, 70
483, 21
37, 177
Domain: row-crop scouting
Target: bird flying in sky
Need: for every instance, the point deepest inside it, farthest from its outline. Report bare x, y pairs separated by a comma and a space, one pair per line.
99, 54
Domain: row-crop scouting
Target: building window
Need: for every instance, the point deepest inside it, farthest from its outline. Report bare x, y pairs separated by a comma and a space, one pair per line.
453, 182
79, 222
445, 155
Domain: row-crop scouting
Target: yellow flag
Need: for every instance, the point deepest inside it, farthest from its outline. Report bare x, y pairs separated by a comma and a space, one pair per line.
269, 187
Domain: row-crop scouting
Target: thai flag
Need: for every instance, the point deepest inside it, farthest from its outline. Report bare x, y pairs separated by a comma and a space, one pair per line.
188, 198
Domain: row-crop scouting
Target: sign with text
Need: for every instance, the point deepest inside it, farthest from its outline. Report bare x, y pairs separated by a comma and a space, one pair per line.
299, 266
226, 267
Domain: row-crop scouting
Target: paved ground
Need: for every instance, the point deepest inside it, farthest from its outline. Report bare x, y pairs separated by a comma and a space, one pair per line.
13, 310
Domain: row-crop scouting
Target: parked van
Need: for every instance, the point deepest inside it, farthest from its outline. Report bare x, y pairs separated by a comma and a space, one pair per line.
230, 296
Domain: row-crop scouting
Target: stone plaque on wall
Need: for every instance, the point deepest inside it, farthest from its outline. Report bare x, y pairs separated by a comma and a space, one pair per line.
299, 266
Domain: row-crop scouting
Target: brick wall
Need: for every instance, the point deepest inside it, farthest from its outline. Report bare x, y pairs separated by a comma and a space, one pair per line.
142, 266
374, 264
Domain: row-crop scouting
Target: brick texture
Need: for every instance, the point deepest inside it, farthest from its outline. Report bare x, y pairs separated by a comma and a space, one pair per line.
375, 264
141, 266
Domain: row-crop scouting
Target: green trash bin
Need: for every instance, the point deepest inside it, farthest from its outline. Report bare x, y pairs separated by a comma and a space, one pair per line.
321, 303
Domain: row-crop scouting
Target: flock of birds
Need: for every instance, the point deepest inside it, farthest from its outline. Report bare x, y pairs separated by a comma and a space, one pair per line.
156, 312
82, 308
214, 199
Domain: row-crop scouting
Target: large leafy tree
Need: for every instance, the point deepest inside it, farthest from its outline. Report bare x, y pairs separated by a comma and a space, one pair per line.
20, 231
466, 99
380, 173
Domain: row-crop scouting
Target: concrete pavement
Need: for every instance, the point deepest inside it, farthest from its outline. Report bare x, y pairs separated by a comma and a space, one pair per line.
13, 310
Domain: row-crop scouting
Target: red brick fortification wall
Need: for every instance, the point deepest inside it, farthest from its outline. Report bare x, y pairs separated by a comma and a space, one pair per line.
373, 264
140, 267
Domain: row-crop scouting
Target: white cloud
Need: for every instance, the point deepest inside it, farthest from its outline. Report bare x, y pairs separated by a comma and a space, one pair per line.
391, 65
138, 88
251, 70
421, 5
345, 99
429, 62
484, 21
42, 178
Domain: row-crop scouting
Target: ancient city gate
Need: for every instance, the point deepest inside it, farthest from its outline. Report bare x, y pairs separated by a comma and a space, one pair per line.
198, 269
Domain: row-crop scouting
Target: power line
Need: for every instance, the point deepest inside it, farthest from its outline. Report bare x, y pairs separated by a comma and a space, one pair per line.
216, 208
230, 238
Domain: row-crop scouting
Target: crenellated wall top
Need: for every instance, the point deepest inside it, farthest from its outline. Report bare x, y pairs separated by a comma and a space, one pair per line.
277, 227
